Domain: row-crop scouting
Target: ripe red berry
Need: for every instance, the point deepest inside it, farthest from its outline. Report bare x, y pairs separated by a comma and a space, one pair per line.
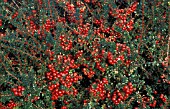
63, 107
119, 94
161, 96
0, 22
16, 93
22, 88
129, 84
125, 88
164, 99
13, 89
50, 66
19, 93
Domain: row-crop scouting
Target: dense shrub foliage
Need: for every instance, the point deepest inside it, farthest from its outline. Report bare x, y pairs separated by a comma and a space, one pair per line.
84, 54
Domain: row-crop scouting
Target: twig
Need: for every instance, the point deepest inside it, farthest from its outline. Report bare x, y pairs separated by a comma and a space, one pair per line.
19, 63
9, 62
11, 83
49, 7
37, 106
143, 24
19, 70
129, 102
148, 49
10, 74
24, 31
1, 95
89, 9
34, 57
146, 72
15, 4
3, 79
168, 38
30, 46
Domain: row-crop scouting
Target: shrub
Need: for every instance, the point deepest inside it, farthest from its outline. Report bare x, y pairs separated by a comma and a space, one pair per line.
84, 54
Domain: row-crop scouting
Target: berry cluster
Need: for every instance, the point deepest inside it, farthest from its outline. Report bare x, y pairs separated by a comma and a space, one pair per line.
121, 16
132, 8
110, 58
122, 47
64, 43
69, 80
49, 25
35, 99
162, 97
2, 106
61, 19
153, 104
56, 93
98, 89
65, 79
14, 15
88, 72
11, 105
118, 96
52, 74
145, 100
18, 90
40, 2
101, 31
114, 61
32, 27
98, 66
70, 8
50, 54
78, 54
83, 30
128, 89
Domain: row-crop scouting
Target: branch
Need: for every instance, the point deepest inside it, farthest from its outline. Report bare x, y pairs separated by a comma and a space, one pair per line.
15, 4
8, 47
168, 38
10, 74
143, 24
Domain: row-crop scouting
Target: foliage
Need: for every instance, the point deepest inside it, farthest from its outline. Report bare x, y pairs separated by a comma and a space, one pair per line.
84, 54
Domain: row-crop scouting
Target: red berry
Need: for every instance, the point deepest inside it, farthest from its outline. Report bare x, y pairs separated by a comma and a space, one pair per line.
22, 88
19, 87
50, 88
0, 22
131, 90
63, 107
16, 93
113, 99
129, 84
13, 89
119, 94
119, 99
128, 92
19, 94
155, 92
125, 88
108, 95
50, 66
161, 96
164, 99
